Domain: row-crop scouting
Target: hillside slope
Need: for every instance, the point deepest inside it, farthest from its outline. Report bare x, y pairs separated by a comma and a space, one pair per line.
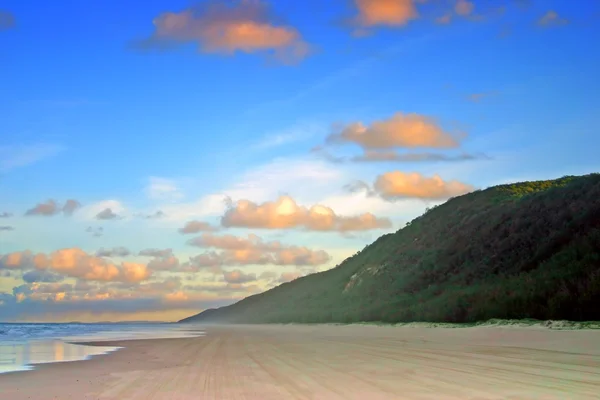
523, 250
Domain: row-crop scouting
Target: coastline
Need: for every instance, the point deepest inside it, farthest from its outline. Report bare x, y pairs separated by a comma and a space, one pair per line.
328, 362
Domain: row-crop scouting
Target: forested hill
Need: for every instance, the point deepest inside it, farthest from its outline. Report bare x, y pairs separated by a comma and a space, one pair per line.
523, 250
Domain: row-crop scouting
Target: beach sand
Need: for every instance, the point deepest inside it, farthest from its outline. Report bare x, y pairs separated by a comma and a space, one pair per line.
330, 362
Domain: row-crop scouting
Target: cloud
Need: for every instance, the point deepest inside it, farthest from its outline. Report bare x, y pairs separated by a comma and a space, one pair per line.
5, 215
227, 289
284, 213
372, 156
48, 208
295, 134
32, 304
197, 226
42, 291
289, 276
7, 20
6, 228
253, 250
268, 275
444, 19
391, 13
464, 7
134, 272
165, 263
41, 276
107, 214
163, 189
16, 260
477, 97
237, 276
95, 232
51, 207
170, 284
261, 183
399, 185
76, 263
70, 206
156, 252
114, 252
401, 130
551, 18
244, 26
156, 215
90, 212
17, 156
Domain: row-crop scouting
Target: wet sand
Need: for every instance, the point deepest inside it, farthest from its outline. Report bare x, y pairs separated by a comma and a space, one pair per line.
330, 362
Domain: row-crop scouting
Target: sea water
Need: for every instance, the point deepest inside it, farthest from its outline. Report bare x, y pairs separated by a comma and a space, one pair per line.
22, 346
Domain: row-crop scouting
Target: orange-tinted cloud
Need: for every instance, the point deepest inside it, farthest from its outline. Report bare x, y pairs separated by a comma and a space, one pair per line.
444, 19
396, 185
385, 12
289, 276
551, 18
401, 130
16, 260
244, 26
253, 250
196, 226
464, 7
477, 97
237, 276
284, 213
77, 263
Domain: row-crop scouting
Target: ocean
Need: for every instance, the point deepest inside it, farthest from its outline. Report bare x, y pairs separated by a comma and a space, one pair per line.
22, 346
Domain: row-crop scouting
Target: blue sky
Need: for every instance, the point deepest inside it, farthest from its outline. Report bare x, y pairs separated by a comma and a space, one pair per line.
104, 107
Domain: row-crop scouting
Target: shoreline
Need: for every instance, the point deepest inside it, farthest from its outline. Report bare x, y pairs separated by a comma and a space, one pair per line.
30, 354
327, 362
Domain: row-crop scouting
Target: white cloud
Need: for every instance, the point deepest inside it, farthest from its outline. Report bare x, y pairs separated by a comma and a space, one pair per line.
309, 179
163, 189
299, 177
12, 157
89, 212
297, 133
211, 205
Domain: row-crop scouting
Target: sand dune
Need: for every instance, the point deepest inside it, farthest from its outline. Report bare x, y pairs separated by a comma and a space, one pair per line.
330, 362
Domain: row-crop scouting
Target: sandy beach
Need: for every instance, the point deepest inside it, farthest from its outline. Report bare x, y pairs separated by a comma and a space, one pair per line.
330, 362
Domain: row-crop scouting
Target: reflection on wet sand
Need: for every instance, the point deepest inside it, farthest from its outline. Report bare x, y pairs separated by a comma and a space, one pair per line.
21, 356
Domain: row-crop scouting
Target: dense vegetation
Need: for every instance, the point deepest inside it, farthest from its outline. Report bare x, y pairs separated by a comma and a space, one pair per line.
524, 250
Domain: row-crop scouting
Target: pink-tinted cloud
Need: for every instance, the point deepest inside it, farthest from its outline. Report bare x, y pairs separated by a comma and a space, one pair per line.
51, 207
196, 226
551, 18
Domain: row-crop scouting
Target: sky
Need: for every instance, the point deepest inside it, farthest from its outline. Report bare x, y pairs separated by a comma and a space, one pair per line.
162, 158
